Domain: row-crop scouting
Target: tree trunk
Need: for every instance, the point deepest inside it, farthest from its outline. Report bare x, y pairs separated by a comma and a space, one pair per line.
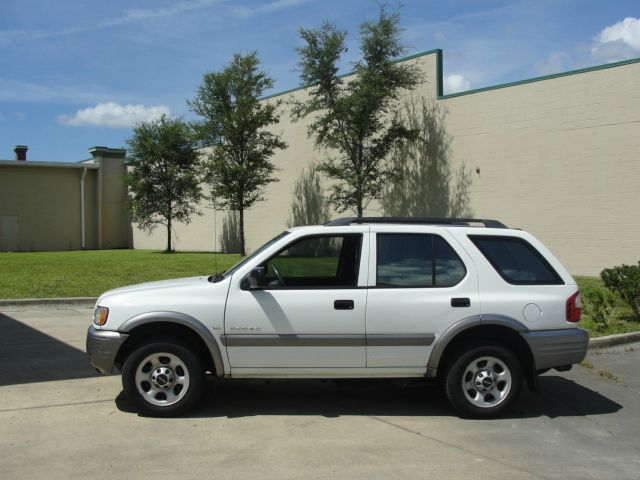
241, 222
360, 201
169, 249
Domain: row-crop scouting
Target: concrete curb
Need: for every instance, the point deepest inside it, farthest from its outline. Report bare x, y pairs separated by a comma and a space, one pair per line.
19, 304
612, 340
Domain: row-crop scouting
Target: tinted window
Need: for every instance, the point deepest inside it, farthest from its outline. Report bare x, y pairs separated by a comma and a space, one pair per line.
320, 261
516, 260
405, 260
449, 268
411, 260
244, 261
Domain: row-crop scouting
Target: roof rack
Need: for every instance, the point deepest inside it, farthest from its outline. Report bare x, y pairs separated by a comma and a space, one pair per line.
460, 222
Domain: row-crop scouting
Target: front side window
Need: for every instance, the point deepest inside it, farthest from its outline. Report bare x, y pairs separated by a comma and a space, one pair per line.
246, 260
417, 260
516, 260
316, 262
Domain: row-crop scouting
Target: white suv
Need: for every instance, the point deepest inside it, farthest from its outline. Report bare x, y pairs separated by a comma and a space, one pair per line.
470, 303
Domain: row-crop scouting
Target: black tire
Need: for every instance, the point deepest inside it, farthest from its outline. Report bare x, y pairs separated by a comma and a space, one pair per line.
179, 398
469, 369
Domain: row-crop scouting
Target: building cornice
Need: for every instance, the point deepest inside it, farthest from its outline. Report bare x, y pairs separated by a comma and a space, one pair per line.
440, 83
29, 163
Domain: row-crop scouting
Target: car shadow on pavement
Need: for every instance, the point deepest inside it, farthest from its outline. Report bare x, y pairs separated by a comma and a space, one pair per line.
246, 398
28, 356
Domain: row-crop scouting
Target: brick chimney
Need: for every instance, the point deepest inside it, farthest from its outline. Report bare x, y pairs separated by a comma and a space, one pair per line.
21, 152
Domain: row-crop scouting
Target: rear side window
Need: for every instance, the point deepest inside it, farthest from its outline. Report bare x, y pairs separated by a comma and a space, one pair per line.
516, 260
416, 261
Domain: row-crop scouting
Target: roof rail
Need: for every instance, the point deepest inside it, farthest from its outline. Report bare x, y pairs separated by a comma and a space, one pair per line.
461, 222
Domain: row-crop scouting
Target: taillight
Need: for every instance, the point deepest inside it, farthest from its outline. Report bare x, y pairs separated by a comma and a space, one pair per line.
574, 308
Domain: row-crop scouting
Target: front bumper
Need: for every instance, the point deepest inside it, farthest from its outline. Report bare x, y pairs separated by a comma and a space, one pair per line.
102, 348
557, 348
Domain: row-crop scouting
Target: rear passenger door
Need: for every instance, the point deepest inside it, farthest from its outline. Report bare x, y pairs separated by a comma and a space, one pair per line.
421, 282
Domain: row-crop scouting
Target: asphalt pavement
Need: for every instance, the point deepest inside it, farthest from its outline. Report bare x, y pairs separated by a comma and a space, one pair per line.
61, 420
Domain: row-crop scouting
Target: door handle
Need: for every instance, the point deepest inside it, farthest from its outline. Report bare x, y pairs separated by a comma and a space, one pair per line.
343, 304
460, 302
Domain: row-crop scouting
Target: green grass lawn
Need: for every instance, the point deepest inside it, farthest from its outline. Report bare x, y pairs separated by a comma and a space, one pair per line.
89, 273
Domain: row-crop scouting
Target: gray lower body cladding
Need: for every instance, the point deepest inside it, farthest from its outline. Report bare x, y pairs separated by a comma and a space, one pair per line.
102, 348
292, 340
557, 348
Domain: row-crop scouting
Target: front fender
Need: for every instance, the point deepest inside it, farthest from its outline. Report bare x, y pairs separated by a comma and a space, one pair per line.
211, 339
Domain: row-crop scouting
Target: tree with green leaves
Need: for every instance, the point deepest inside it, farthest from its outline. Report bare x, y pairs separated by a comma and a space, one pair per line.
356, 120
234, 125
163, 174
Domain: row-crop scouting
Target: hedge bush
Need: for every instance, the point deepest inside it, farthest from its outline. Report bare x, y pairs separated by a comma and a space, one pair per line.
598, 305
624, 280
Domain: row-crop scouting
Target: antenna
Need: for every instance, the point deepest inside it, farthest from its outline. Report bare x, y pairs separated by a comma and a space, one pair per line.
215, 237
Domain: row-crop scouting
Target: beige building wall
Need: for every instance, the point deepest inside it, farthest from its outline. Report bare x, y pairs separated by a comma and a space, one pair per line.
41, 206
557, 156
114, 229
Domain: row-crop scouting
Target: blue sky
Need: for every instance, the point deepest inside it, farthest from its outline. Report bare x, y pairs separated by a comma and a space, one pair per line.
74, 74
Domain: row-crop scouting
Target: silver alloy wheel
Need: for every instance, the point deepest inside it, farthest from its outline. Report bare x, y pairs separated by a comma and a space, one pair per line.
486, 381
162, 379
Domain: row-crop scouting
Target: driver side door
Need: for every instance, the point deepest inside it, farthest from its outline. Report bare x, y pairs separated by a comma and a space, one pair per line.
307, 312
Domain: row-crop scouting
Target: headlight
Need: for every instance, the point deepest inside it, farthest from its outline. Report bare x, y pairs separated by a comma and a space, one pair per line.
100, 315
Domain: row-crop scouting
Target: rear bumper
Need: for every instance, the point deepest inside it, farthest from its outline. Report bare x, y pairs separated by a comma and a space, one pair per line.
102, 348
557, 348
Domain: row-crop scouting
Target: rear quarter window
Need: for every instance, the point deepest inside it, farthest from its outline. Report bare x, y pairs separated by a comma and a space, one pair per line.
516, 260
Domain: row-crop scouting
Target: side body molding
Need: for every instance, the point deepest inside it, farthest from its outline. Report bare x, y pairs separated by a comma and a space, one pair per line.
181, 319
462, 325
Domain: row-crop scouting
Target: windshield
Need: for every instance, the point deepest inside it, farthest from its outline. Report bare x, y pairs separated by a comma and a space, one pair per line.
242, 262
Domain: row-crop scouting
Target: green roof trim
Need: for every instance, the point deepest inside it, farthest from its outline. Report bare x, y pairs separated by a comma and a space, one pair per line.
440, 95
534, 79
106, 152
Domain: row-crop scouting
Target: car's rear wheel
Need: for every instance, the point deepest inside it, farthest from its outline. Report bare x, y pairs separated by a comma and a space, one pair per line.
163, 379
484, 381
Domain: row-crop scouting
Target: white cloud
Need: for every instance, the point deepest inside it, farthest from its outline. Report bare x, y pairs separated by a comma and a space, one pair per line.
8, 37
618, 41
111, 114
627, 31
17, 91
455, 83
137, 15
554, 63
266, 7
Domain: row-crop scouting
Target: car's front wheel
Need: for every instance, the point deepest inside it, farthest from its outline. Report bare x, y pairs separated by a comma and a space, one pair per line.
163, 379
484, 381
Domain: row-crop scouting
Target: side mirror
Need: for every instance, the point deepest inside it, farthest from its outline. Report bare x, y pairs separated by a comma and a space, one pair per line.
255, 279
